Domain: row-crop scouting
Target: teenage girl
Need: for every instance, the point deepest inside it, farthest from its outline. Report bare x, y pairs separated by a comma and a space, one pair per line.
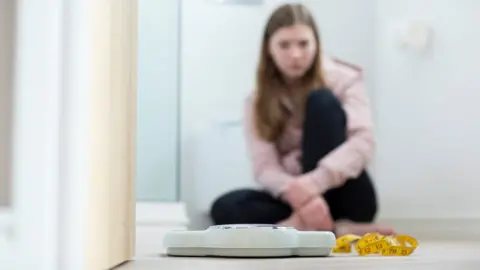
309, 131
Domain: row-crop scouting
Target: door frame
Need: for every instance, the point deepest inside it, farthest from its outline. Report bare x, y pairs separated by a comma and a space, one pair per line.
52, 122
94, 29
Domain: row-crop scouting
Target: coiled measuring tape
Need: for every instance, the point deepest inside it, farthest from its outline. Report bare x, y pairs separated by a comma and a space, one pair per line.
374, 243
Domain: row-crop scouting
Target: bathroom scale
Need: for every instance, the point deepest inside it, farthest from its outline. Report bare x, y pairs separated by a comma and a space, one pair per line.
249, 240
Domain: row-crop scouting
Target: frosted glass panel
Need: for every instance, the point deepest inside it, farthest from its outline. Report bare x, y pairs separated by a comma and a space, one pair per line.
158, 45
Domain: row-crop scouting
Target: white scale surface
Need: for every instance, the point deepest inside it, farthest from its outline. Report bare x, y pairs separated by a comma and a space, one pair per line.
249, 240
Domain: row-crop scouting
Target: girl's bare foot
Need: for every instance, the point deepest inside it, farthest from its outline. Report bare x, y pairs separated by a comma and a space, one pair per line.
316, 215
348, 227
293, 221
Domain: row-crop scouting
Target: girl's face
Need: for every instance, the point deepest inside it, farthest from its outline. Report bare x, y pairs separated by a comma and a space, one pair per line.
293, 50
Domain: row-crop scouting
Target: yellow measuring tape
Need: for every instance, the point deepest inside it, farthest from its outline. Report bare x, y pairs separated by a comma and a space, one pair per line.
374, 243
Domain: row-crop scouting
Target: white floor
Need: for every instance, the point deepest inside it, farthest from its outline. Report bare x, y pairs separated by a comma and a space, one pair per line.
429, 255
455, 251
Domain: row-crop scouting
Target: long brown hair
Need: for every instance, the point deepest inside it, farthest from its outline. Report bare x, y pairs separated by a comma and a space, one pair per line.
269, 110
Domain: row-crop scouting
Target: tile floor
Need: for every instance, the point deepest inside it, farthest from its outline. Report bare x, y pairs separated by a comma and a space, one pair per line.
428, 256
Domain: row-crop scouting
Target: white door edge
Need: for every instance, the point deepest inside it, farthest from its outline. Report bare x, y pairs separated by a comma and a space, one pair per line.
37, 103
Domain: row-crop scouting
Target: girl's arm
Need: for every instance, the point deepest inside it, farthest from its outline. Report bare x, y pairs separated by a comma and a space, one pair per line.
267, 168
352, 157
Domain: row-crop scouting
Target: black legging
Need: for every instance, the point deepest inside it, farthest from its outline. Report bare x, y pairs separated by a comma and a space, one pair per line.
324, 129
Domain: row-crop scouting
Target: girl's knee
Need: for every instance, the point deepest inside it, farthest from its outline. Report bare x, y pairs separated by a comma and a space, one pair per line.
322, 100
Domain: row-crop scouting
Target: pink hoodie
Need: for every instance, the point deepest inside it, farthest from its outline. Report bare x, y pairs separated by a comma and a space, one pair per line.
275, 164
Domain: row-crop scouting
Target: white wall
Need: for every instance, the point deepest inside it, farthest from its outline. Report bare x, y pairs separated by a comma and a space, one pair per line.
219, 47
428, 154
157, 123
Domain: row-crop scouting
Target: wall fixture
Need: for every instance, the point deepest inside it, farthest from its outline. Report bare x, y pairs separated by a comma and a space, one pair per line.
415, 35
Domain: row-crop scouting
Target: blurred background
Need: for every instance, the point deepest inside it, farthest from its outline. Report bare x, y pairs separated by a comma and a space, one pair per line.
196, 64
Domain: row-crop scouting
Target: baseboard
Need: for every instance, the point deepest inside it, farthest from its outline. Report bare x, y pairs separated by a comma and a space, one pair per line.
153, 221
438, 229
162, 214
